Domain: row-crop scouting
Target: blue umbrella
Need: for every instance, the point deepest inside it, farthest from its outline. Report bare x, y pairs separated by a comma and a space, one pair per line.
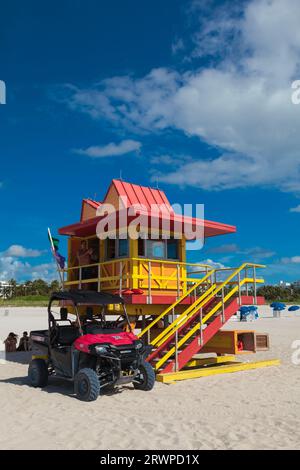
247, 309
293, 308
278, 306
253, 308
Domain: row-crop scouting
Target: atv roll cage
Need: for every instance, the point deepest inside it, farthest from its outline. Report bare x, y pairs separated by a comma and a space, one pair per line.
91, 351
89, 299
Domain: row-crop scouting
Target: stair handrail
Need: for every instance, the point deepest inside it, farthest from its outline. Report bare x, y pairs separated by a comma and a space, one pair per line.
196, 327
192, 331
174, 327
177, 302
180, 320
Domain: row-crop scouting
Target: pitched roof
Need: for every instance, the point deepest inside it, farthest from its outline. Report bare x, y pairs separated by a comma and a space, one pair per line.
91, 202
132, 194
89, 208
177, 223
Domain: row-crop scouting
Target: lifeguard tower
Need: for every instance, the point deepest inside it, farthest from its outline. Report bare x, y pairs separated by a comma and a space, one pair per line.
179, 307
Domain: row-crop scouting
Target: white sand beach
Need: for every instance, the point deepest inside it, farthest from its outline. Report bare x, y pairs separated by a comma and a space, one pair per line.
255, 409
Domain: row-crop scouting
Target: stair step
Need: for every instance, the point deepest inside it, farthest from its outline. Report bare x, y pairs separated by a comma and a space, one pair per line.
159, 358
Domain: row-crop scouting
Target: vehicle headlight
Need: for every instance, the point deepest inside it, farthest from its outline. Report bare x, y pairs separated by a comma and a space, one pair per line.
139, 345
101, 349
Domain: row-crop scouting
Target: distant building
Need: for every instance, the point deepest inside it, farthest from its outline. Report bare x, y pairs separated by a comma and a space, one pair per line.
296, 284
284, 284
6, 290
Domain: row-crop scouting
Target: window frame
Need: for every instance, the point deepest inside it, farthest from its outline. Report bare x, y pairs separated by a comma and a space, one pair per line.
165, 241
116, 242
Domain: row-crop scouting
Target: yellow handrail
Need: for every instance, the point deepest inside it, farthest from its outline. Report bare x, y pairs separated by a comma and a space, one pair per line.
153, 260
193, 330
177, 302
112, 280
192, 308
174, 327
179, 321
220, 286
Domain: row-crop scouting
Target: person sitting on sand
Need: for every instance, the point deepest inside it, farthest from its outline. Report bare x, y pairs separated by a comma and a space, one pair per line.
24, 342
11, 343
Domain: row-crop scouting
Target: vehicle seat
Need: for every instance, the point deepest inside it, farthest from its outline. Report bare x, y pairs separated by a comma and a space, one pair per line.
67, 334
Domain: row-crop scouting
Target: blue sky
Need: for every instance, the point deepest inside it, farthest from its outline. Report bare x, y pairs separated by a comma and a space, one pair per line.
192, 94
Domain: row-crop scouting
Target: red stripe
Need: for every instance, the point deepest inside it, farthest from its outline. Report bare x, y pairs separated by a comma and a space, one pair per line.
121, 190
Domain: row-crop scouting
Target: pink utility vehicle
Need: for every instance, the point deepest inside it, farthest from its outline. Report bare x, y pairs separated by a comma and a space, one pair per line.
91, 351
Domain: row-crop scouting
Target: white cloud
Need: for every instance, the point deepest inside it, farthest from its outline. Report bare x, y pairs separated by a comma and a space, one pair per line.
169, 160
227, 248
257, 253
287, 268
241, 104
140, 104
112, 149
19, 251
292, 259
218, 24
11, 267
177, 46
213, 264
295, 209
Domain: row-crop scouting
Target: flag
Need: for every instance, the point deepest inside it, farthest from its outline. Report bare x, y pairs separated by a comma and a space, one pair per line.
60, 259
55, 243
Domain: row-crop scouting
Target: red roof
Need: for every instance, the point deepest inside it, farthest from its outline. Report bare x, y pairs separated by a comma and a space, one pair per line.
91, 203
132, 194
211, 229
94, 204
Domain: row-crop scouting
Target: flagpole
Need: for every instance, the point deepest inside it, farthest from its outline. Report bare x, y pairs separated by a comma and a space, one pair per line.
61, 275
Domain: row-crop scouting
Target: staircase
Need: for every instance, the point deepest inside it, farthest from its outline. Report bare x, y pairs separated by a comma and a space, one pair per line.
216, 297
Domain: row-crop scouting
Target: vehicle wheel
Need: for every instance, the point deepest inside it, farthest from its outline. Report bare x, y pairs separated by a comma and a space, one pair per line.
146, 379
87, 385
38, 373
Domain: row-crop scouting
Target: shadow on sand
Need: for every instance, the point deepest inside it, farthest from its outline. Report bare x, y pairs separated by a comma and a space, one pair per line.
60, 386
23, 357
56, 384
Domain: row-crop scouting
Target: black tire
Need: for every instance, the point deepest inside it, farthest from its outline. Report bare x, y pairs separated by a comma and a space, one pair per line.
146, 380
87, 385
38, 373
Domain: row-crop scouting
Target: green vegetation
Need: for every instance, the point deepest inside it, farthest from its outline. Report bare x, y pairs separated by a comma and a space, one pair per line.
25, 301
281, 294
36, 293
31, 293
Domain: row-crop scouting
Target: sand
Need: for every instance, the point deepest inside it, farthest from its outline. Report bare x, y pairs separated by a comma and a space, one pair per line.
257, 409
